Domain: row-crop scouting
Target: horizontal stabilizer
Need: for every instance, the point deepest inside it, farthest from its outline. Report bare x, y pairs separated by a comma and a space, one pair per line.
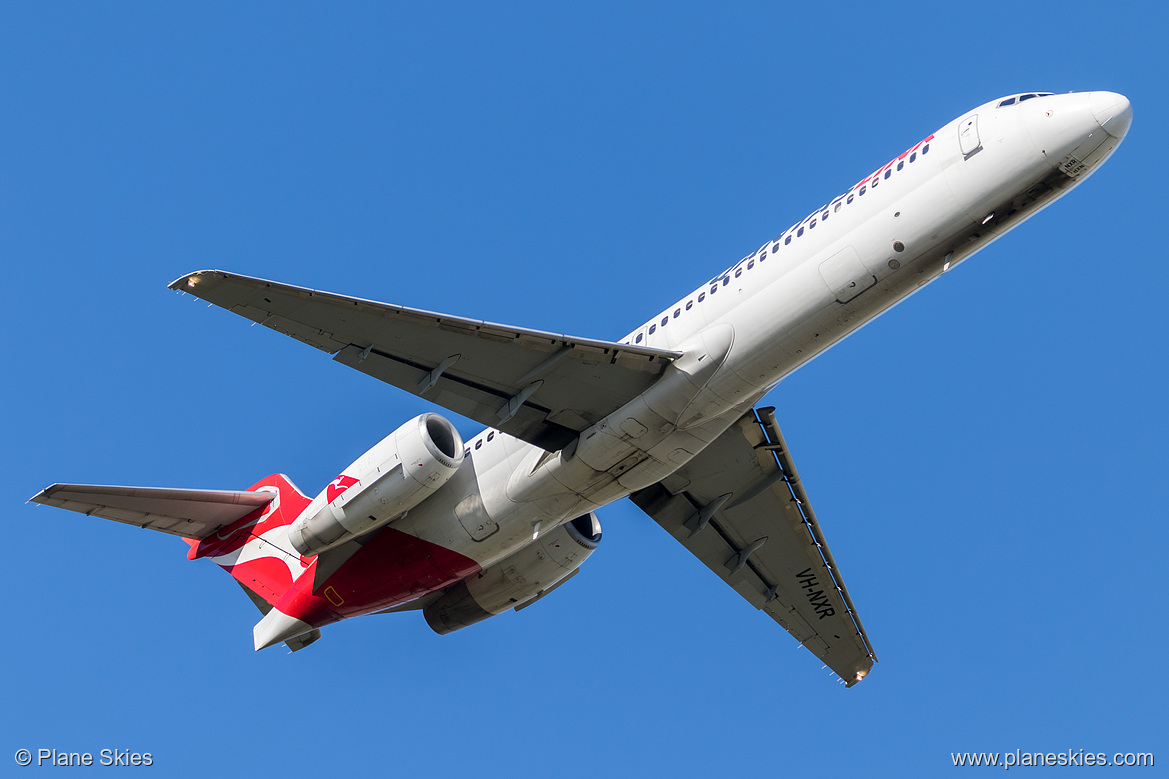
186, 513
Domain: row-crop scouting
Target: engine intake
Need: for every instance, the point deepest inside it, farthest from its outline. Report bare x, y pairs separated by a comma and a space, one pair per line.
399, 472
519, 580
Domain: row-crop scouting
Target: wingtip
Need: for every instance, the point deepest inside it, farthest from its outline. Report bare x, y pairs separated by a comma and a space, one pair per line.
188, 280
39, 498
861, 672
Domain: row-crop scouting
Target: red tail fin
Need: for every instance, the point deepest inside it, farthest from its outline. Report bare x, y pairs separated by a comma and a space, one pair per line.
255, 549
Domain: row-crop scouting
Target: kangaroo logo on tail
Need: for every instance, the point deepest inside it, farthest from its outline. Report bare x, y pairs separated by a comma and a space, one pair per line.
255, 549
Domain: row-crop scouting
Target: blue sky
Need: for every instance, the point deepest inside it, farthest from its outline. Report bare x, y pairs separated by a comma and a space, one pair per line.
986, 459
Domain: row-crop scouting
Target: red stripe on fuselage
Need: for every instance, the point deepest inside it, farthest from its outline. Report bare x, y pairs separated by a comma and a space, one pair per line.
392, 568
882, 169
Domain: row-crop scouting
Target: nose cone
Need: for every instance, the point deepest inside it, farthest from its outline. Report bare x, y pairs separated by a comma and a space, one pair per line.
1113, 112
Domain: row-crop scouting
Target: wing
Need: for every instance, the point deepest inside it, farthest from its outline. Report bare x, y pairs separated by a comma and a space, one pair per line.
740, 508
187, 513
541, 387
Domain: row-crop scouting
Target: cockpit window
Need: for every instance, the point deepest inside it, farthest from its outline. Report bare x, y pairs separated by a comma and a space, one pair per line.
1021, 98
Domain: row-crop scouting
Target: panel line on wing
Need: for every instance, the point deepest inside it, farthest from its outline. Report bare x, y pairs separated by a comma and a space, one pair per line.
777, 446
444, 376
769, 588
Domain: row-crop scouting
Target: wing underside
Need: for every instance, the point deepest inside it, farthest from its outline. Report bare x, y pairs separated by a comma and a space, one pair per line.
186, 513
541, 387
740, 508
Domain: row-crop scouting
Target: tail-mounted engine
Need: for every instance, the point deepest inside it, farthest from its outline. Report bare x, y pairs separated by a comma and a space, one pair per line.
402, 470
519, 580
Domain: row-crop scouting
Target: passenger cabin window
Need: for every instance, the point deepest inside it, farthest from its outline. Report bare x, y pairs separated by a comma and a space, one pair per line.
726, 280
799, 232
491, 435
787, 240
664, 320
677, 311
479, 443
913, 157
637, 340
775, 247
738, 272
701, 296
900, 165
653, 329
750, 265
689, 304
925, 149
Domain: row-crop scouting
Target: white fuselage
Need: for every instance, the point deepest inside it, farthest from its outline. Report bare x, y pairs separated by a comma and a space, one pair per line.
778, 308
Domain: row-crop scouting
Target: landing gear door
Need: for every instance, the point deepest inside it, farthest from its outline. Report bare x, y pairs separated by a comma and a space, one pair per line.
968, 138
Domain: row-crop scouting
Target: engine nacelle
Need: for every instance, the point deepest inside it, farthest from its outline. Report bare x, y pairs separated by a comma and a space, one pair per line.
397, 474
519, 580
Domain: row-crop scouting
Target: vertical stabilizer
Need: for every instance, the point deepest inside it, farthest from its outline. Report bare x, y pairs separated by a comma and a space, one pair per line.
255, 549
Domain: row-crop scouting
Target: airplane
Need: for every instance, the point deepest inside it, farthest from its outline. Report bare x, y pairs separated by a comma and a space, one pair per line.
666, 416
